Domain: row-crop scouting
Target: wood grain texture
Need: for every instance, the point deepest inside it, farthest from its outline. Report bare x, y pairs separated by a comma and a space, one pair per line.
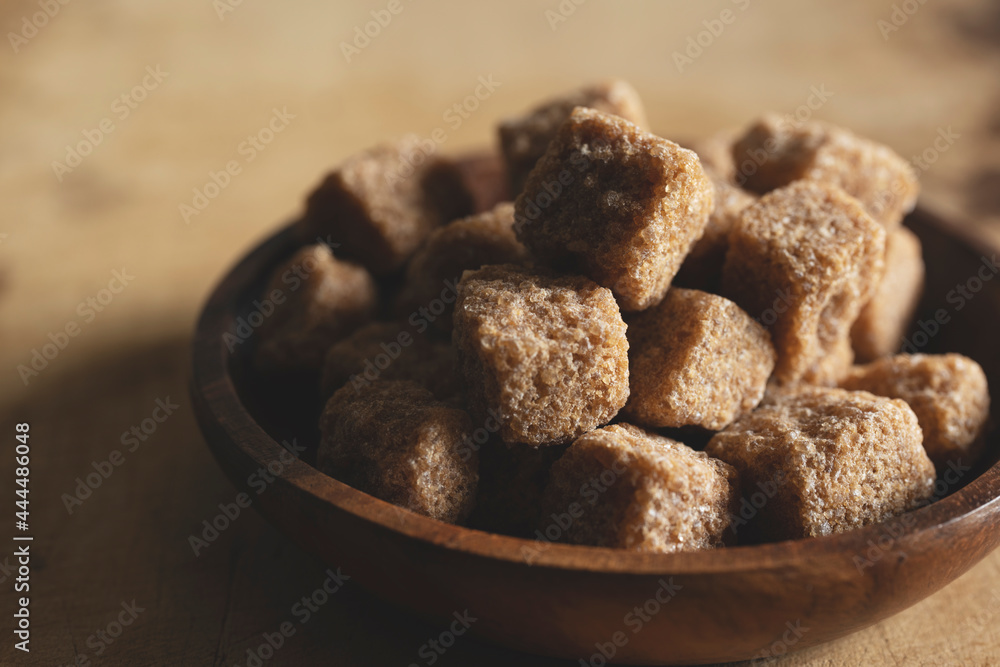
119, 209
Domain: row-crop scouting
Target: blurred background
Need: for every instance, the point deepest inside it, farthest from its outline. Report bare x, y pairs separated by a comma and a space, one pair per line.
114, 115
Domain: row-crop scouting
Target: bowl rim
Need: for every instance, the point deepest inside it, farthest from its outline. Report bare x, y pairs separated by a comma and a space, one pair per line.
218, 403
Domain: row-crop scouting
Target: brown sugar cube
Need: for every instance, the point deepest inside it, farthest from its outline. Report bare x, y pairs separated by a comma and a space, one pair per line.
622, 487
547, 353
776, 151
381, 204
615, 203
948, 393
833, 460
484, 176
436, 268
880, 327
390, 351
696, 359
803, 261
702, 268
716, 152
524, 140
395, 441
511, 481
316, 299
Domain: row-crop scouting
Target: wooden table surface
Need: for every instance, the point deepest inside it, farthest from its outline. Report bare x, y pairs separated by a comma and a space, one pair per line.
163, 94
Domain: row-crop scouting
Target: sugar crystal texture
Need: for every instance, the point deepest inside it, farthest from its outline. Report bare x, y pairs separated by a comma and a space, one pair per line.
615, 203
882, 322
775, 151
803, 261
623, 487
317, 300
948, 393
391, 351
696, 359
525, 139
380, 205
468, 243
395, 441
547, 353
832, 460
716, 152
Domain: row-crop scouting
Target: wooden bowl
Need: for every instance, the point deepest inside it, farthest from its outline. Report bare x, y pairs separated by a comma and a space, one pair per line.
592, 603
